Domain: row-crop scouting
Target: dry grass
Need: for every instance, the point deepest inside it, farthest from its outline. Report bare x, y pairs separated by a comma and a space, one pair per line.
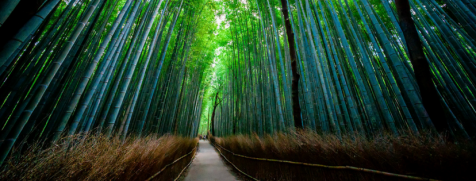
423, 156
100, 158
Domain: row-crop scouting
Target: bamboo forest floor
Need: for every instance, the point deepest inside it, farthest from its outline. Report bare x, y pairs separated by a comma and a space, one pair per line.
209, 166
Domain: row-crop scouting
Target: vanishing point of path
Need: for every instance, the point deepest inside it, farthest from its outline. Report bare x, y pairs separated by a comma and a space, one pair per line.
209, 166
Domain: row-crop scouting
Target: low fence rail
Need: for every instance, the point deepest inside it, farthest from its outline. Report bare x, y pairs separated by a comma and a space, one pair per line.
320, 165
175, 161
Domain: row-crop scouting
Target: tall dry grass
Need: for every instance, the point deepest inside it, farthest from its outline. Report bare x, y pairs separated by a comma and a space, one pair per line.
101, 158
423, 156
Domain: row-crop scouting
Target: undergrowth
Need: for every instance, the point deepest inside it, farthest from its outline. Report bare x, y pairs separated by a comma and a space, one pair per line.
423, 156
101, 158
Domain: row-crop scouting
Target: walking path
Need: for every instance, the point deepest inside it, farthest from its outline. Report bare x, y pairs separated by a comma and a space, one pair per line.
208, 166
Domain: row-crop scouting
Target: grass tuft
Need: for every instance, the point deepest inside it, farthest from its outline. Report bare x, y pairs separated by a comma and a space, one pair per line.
423, 156
101, 158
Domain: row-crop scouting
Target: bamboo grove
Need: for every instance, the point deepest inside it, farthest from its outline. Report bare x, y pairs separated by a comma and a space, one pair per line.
353, 59
121, 68
154, 67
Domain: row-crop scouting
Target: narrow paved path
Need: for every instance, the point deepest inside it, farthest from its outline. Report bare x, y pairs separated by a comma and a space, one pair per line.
209, 166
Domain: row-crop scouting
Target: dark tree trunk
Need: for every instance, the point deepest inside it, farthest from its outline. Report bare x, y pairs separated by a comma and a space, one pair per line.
234, 126
430, 97
296, 76
213, 115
